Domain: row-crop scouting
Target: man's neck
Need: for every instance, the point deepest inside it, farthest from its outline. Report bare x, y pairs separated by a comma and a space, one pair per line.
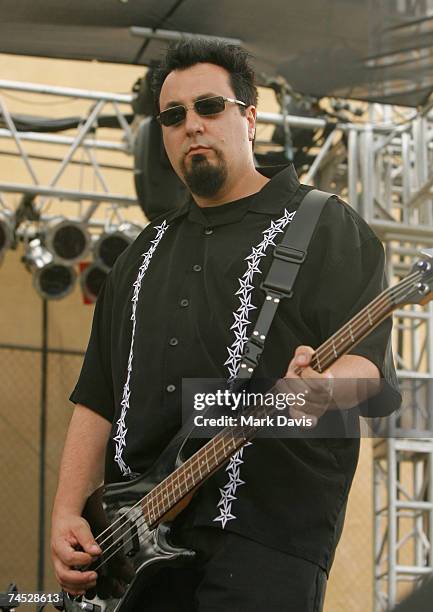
250, 183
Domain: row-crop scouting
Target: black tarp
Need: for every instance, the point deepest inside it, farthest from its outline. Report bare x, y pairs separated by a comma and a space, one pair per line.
379, 50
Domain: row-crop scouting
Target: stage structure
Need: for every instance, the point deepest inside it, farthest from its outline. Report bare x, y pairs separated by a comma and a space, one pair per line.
381, 163
95, 222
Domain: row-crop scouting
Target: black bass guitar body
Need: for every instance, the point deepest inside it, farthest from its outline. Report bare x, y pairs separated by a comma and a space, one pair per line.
116, 517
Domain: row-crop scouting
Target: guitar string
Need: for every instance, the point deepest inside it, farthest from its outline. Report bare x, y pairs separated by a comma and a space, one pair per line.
381, 299
190, 463
372, 307
193, 463
139, 522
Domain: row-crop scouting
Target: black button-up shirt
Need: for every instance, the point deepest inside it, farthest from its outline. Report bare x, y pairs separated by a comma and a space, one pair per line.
181, 303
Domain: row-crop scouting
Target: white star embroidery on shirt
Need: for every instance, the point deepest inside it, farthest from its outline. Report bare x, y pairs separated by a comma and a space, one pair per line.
241, 322
241, 335
245, 287
246, 303
120, 437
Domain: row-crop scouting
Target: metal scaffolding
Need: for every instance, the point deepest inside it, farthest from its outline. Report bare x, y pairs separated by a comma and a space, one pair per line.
388, 178
79, 149
389, 181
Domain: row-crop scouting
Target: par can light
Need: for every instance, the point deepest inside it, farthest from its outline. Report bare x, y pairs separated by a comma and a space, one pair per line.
51, 279
92, 279
69, 241
112, 243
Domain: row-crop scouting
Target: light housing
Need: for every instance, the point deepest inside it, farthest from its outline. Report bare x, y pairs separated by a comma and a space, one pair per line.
112, 243
53, 280
68, 241
92, 279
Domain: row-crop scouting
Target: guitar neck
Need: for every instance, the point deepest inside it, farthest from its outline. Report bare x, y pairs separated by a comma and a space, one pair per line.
195, 470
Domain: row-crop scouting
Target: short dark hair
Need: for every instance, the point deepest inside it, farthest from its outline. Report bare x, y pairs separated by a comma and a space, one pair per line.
190, 52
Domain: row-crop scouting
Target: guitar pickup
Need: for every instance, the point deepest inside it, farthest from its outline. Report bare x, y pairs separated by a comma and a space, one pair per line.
130, 541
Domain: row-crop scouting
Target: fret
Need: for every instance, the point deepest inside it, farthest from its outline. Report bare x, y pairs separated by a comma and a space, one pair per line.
199, 466
369, 316
214, 446
178, 486
191, 476
185, 478
155, 503
215, 453
204, 462
352, 337
222, 450
335, 350
164, 496
151, 499
170, 490
319, 367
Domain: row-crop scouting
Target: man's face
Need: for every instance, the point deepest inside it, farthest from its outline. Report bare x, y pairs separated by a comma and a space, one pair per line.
207, 152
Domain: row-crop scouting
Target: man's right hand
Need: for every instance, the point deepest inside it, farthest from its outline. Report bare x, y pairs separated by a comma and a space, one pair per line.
73, 546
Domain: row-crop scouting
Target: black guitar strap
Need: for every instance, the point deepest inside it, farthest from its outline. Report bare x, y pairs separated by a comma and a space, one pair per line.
288, 257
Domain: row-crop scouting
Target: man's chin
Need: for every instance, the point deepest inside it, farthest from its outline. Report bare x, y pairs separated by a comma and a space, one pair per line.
197, 159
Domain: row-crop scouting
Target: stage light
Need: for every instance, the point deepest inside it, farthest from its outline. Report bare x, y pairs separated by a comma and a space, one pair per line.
112, 243
51, 279
6, 231
91, 279
68, 241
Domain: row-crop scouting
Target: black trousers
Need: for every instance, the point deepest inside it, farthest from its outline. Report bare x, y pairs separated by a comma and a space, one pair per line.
235, 574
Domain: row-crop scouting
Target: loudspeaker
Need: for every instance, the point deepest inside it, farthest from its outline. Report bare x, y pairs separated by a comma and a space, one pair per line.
158, 188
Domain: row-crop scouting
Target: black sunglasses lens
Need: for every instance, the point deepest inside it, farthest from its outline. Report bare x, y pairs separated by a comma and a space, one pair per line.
171, 116
210, 106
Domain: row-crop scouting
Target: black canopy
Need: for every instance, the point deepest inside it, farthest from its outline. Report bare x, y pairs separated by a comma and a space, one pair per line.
379, 50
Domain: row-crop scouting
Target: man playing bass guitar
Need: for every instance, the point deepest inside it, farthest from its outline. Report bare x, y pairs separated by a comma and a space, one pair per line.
181, 302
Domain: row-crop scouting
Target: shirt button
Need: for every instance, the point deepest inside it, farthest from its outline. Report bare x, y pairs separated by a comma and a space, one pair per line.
196, 268
208, 231
184, 303
173, 341
170, 388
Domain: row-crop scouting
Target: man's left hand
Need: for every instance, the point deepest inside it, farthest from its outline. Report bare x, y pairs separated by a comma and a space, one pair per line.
317, 387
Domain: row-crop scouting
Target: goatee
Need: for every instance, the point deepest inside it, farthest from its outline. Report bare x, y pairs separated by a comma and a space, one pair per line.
203, 178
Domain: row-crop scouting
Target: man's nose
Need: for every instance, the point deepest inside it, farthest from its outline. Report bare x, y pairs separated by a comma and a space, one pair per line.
193, 121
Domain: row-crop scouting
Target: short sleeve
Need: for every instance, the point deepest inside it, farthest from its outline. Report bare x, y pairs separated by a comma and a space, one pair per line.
351, 283
94, 388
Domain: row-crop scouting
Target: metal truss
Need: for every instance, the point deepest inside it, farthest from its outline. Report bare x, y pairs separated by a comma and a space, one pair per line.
385, 171
403, 530
403, 458
81, 148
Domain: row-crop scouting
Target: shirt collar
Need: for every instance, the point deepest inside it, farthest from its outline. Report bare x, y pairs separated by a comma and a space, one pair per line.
283, 185
270, 200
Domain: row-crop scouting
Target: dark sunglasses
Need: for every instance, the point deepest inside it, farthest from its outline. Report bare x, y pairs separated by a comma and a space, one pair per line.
204, 107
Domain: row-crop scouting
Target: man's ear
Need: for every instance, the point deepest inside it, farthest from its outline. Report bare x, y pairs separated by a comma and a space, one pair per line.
251, 115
